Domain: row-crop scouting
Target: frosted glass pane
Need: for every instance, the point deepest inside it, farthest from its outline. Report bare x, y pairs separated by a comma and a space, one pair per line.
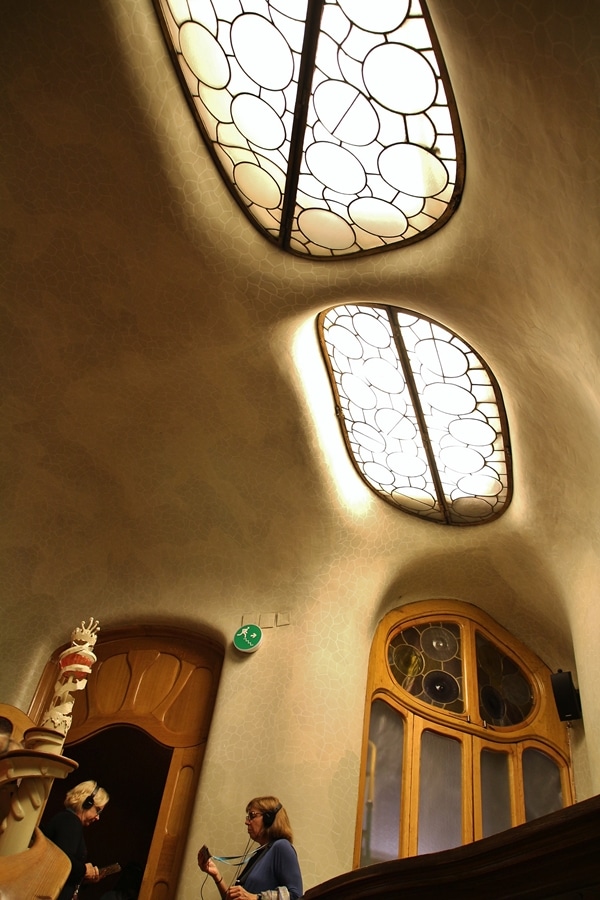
541, 780
381, 812
440, 794
495, 792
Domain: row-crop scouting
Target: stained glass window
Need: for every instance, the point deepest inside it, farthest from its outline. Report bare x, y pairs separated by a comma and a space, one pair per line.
421, 413
505, 694
462, 738
426, 661
332, 121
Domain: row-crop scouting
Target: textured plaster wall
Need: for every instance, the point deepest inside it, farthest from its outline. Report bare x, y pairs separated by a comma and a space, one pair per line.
170, 450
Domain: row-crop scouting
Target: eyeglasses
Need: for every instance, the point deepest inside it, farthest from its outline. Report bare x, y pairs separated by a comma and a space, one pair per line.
252, 815
98, 809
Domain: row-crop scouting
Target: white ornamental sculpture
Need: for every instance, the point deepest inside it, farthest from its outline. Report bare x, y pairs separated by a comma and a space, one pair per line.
75, 665
26, 775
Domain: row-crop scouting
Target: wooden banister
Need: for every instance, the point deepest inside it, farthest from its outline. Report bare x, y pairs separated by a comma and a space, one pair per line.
36, 874
555, 856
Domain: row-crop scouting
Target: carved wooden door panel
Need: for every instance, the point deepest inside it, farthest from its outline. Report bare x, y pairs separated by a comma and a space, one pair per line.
164, 682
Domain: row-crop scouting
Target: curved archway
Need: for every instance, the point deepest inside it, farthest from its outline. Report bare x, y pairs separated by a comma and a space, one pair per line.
161, 681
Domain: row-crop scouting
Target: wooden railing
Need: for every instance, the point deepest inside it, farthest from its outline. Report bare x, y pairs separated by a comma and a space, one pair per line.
31, 866
556, 857
36, 874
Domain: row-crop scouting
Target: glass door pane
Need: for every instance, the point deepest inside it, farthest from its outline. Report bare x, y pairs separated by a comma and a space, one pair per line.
541, 782
383, 785
440, 793
495, 792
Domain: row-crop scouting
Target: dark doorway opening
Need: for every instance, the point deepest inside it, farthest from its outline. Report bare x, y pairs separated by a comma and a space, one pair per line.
132, 767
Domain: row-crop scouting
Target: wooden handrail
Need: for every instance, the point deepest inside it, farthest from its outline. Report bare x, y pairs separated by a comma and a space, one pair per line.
36, 874
550, 857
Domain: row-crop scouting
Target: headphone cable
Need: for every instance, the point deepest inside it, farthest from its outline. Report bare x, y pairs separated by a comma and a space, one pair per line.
229, 861
243, 859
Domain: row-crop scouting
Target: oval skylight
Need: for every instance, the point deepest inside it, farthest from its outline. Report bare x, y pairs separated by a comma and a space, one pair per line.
421, 413
333, 123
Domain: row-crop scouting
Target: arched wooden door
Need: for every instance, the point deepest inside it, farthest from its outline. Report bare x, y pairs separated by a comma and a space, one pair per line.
164, 682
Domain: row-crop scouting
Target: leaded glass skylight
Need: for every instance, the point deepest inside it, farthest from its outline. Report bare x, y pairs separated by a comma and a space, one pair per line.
332, 121
421, 413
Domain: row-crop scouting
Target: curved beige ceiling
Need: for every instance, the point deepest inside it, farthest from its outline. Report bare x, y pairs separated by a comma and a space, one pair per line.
170, 442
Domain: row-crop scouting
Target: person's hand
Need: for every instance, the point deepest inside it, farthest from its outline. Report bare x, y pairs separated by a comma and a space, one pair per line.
207, 864
203, 857
237, 892
91, 872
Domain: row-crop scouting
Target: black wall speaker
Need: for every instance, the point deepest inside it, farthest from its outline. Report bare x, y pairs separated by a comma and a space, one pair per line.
566, 696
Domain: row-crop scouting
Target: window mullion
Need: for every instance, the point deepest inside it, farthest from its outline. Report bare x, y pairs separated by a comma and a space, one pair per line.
416, 402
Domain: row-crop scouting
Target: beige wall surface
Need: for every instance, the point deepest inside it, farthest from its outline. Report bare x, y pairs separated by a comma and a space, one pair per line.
170, 450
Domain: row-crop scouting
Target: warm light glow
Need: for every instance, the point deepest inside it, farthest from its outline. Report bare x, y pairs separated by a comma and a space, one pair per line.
348, 161
422, 416
341, 474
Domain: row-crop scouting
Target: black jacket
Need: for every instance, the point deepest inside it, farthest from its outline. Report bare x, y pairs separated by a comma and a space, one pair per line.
66, 831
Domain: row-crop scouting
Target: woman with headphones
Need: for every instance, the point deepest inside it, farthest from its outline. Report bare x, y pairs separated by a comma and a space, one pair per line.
83, 805
272, 872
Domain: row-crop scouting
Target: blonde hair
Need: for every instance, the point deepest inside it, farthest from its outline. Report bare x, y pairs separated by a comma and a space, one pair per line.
281, 827
75, 797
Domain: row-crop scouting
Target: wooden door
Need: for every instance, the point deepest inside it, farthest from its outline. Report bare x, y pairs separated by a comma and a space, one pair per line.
163, 681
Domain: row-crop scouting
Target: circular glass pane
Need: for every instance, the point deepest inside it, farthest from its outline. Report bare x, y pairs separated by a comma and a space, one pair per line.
439, 643
372, 330
384, 375
326, 229
257, 121
344, 341
449, 398
204, 55
378, 217
358, 392
336, 168
413, 170
257, 185
441, 687
408, 661
472, 431
368, 437
400, 78
406, 464
492, 704
462, 459
376, 15
442, 358
262, 51
346, 113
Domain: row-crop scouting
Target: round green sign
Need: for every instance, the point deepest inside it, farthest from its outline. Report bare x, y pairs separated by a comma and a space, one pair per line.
247, 638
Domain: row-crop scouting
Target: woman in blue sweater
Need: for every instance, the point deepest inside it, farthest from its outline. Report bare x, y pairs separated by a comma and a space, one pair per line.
273, 871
